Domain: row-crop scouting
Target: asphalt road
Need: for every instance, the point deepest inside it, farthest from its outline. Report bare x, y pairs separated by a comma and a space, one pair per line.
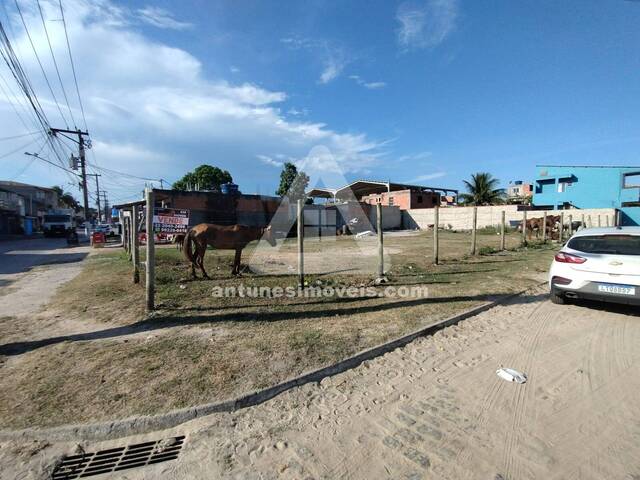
31, 270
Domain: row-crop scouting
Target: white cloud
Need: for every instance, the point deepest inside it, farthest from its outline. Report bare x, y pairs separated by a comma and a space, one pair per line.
152, 111
426, 177
269, 161
161, 18
415, 157
296, 113
332, 68
365, 84
332, 57
374, 85
427, 23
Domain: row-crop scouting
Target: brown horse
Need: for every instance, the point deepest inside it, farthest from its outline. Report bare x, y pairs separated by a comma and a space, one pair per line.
178, 239
537, 224
233, 237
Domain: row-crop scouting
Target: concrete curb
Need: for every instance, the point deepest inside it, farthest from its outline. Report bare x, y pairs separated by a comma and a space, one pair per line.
145, 424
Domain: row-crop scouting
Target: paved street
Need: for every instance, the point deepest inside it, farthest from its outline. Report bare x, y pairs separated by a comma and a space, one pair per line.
434, 409
31, 270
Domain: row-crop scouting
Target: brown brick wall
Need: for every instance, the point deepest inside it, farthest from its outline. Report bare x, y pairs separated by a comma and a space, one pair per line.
404, 199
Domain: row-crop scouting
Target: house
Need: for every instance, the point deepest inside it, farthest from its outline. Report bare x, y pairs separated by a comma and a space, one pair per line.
34, 204
581, 186
404, 199
12, 210
371, 192
216, 207
519, 191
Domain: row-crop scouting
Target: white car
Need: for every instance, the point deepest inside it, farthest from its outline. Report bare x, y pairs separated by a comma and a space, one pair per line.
598, 264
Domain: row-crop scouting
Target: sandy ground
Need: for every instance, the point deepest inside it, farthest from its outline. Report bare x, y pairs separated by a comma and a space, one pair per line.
434, 409
32, 270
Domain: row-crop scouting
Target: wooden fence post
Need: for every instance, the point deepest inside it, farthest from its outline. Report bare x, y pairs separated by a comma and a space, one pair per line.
135, 244
122, 232
380, 241
561, 231
300, 220
524, 227
503, 230
606, 220
474, 227
129, 252
125, 234
599, 221
436, 221
544, 227
151, 253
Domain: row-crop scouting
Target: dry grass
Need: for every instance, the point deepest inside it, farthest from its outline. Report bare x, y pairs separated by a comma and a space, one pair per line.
198, 348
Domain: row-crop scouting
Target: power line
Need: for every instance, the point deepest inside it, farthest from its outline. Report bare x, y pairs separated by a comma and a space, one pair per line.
24, 169
109, 170
44, 74
18, 149
51, 163
64, 92
8, 54
19, 136
73, 68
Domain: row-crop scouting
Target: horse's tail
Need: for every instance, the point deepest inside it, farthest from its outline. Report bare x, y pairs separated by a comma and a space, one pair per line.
187, 247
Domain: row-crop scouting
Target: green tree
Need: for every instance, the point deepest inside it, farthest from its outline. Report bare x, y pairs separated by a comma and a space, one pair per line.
482, 190
293, 183
65, 199
204, 177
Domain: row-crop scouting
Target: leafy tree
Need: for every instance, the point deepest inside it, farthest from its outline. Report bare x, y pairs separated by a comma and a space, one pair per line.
482, 190
65, 199
293, 183
204, 177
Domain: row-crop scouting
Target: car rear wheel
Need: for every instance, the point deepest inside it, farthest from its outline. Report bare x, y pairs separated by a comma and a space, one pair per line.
556, 298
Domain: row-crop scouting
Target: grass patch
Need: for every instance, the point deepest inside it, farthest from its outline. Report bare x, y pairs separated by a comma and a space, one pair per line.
198, 348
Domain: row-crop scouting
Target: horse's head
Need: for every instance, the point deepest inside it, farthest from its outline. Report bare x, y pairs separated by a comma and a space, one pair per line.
267, 234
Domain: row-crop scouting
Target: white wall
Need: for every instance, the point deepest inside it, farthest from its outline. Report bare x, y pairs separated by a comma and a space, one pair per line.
460, 218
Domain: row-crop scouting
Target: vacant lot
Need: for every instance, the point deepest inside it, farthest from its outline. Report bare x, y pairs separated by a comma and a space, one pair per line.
198, 348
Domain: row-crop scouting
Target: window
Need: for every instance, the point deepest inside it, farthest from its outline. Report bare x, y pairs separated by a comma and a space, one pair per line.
390, 201
631, 180
562, 187
612, 244
419, 198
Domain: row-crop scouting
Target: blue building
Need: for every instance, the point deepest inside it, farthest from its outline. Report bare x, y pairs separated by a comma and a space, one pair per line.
570, 186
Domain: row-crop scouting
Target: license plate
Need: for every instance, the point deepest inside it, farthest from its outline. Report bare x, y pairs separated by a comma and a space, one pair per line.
617, 289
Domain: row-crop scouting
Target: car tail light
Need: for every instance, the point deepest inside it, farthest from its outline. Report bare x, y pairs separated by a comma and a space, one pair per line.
560, 281
564, 257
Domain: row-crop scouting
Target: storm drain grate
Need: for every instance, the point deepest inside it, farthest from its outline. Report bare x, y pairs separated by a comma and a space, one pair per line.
115, 459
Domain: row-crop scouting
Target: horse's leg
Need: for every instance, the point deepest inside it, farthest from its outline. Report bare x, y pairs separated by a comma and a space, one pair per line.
202, 249
193, 262
236, 262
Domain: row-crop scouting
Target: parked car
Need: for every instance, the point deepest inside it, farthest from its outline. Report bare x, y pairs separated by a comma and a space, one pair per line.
598, 264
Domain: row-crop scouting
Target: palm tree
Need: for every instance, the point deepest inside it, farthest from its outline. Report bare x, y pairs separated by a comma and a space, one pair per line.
482, 190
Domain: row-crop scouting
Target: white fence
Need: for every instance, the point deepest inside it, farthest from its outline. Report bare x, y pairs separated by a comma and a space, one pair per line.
459, 218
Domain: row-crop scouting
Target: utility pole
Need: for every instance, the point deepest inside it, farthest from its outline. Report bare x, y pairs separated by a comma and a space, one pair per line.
81, 145
105, 205
96, 175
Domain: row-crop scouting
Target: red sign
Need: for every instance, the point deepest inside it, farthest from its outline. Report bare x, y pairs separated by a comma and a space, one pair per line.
98, 239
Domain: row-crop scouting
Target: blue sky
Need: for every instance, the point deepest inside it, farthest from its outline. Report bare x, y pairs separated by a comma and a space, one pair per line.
427, 91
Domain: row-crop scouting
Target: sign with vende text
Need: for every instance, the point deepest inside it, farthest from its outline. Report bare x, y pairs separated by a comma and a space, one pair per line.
170, 220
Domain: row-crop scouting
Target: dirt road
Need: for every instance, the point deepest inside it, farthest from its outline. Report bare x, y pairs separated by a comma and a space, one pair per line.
434, 409
31, 270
